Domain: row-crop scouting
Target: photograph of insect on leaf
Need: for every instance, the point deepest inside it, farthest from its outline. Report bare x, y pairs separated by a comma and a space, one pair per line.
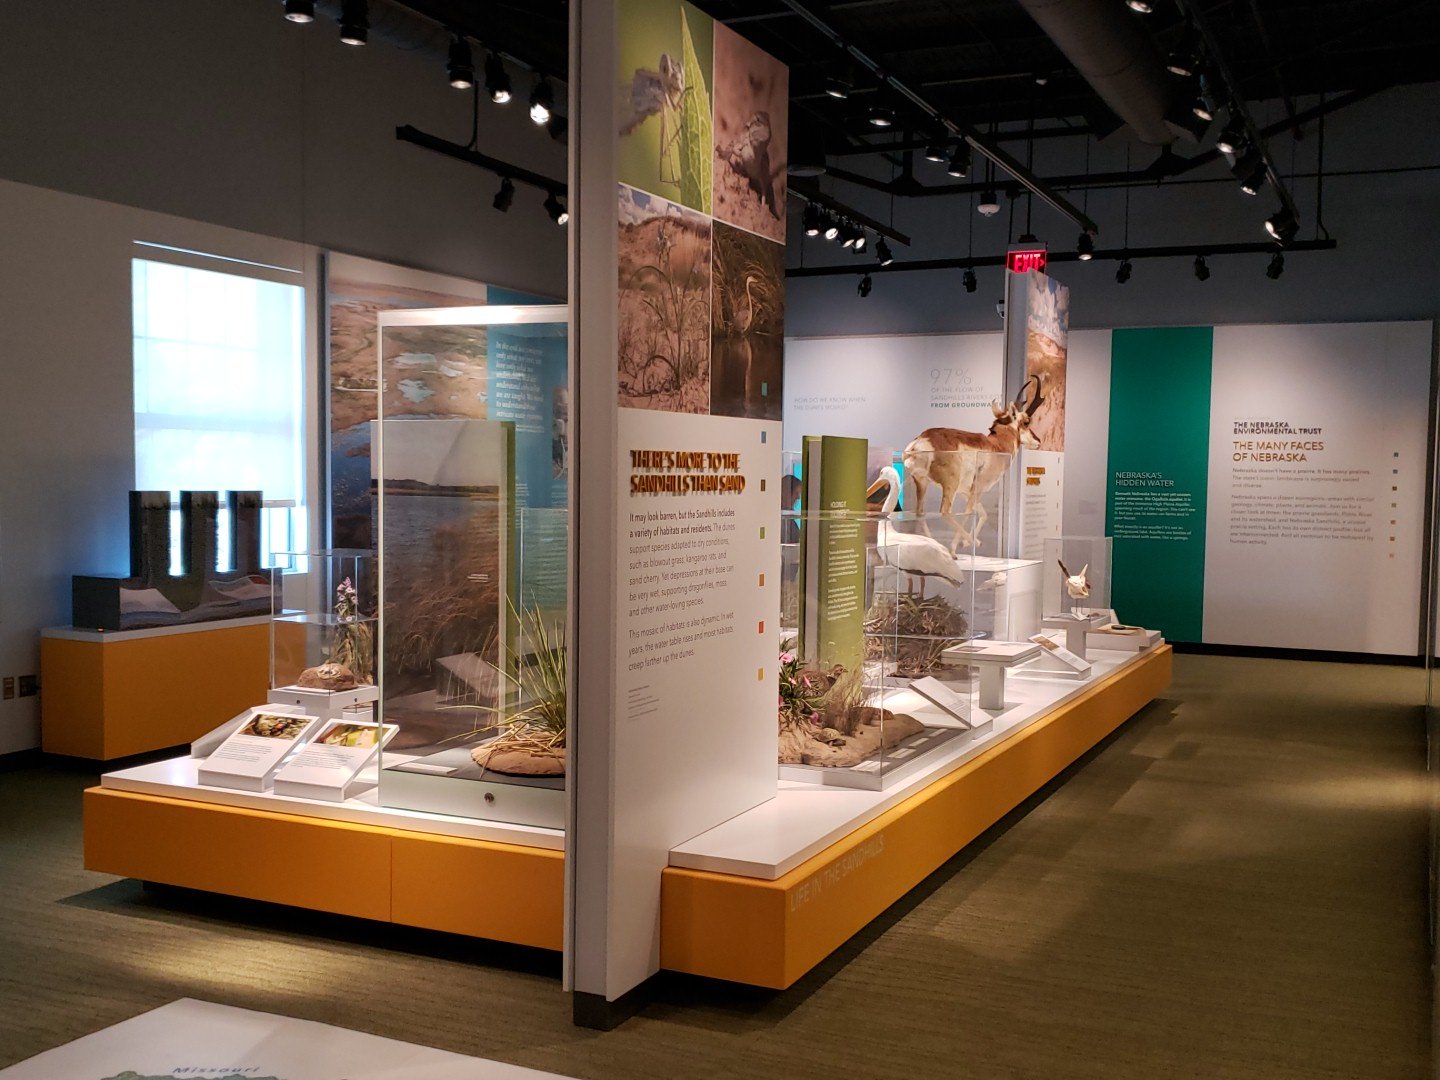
664, 123
752, 105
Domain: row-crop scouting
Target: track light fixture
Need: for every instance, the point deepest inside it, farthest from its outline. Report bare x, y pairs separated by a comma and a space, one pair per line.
959, 166
1276, 267
1231, 137
811, 219
1085, 247
866, 284
1122, 275
300, 11
558, 126
355, 22
1282, 226
989, 204
1144, 7
861, 243
505, 196
497, 80
542, 101
1183, 59
838, 87
969, 280
935, 152
1202, 270
556, 209
882, 252
832, 227
461, 67
881, 116
1254, 179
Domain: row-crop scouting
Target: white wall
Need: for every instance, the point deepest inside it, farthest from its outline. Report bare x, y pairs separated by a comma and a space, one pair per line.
215, 125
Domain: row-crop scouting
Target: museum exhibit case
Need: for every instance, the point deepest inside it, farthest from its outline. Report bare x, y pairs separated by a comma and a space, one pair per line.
323, 622
473, 532
1077, 588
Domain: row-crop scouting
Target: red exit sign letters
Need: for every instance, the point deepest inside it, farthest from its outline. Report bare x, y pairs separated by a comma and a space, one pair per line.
1022, 262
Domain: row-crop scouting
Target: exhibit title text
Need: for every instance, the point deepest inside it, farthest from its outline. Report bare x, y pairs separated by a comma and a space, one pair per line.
1299, 444
685, 472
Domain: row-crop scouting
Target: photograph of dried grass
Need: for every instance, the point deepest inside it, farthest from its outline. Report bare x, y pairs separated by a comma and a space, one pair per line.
664, 124
747, 343
358, 290
752, 103
664, 305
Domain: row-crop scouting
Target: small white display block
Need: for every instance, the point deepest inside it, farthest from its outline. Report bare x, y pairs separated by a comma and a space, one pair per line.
326, 704
993, 658
328, 766
1076, 627
1055, 659
941, 696
1129, 639
249, 757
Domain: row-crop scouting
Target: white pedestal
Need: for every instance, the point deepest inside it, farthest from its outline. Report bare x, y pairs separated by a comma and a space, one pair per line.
326, 704
992, 658
1076, 628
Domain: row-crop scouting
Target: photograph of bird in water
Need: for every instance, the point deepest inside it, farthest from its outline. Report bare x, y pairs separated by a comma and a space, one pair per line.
751, 117
747, 335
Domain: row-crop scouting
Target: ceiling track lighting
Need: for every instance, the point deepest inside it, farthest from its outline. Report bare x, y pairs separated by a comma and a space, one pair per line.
542, 101
832, 227
1122, 275
866, 284
1254, 180
1231, 139
989, 204
1085, 247
1143, 7
935, 152
1282, 226
355, 22
811, 220
556, 209
558, 126
505, 196
861, 243
461, 67
838, 87
959, 166
1276, 267
1202, 269
969, 280
300, 11
1184, 60
881, 116
497, 80
882, 252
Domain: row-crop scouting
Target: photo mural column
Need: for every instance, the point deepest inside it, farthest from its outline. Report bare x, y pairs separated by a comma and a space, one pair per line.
1037, 329
677, 293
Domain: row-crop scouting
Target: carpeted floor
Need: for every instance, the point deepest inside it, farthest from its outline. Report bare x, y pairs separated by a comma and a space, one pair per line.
1232, 886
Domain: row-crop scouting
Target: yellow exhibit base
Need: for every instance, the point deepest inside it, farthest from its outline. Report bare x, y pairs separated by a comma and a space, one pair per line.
744, 929
770, 933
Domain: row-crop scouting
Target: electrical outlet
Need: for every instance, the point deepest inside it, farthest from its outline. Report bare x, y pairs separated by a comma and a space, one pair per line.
9, 687
28, 686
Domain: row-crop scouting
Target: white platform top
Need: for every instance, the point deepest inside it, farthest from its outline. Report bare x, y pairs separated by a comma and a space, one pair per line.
1004, 653
178, 778
75, 633
804, 819
1068, 622
988, 564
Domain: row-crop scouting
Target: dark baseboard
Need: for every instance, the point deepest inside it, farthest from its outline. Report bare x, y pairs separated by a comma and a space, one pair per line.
20, 759
1260, 653
595, 1012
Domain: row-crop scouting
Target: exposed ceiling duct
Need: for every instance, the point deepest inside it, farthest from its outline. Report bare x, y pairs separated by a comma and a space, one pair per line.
1104, 42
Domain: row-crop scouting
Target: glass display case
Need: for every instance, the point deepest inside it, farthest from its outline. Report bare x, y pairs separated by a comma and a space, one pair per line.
323, 624
473, 555
874, 607
1076, 595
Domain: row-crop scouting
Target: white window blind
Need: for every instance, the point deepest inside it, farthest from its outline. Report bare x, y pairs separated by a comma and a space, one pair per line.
219, 371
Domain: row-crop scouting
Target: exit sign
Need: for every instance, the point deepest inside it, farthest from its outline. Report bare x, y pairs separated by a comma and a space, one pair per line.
1023, 260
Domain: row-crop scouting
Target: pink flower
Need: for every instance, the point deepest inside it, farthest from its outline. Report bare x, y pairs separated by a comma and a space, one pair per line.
787, 658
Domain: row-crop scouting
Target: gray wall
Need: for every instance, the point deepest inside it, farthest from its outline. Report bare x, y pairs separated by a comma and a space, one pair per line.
182, 121
1383, 269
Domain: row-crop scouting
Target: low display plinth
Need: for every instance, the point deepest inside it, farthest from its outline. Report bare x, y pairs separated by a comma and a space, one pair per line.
480, 888
770, 932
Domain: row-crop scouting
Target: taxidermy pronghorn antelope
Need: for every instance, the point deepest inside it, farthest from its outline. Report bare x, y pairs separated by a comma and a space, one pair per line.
1077, 585
970, 463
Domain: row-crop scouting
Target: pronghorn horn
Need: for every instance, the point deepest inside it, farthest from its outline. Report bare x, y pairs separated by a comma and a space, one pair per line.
996, 409
1029, 410
1084, 569
1063, 569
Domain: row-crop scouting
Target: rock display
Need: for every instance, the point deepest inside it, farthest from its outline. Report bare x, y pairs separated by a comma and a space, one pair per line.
330, 677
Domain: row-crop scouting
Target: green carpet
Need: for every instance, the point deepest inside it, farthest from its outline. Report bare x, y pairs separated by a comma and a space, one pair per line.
1232, 886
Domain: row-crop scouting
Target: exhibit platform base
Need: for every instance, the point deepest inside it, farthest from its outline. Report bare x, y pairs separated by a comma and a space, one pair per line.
115, 694
767, 927
770, 932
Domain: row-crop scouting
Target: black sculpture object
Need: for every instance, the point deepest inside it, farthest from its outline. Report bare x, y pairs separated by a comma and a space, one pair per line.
151, 596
